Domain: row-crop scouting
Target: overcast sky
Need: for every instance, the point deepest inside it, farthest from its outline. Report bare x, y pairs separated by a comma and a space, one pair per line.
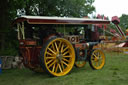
111, 7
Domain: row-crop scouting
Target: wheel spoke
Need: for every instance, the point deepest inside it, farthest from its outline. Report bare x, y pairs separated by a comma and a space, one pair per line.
92, 60
50, 57
65, 49
48, 53
56, 68
53, 47
62, 65
62, 48
60, 68
65, 53
49, 61
96, 63
101, 60
65, 60
65, 63
99, 63
51, 51
67, 56
56, 47
52, 63
100, 57
53, 69
98, 54
94, 55
60, 44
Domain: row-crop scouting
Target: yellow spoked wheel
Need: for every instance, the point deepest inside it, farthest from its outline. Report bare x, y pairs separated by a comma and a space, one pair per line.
58, 57
97, 59
80, 64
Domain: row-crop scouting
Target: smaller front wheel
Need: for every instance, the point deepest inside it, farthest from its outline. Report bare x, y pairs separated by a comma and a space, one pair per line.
97, 59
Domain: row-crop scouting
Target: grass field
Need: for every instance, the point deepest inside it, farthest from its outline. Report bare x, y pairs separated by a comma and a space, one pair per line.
115, 72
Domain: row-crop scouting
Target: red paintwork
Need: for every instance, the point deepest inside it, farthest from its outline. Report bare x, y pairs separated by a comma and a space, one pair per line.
30, 53
115, 20
120, 30
30, 56
45, 21
126, 44
81, 45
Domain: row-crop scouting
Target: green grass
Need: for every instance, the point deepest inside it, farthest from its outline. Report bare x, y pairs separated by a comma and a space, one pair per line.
115, 72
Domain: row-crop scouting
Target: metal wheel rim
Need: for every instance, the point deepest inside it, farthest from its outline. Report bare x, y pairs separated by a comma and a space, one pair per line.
59, 57
97, 59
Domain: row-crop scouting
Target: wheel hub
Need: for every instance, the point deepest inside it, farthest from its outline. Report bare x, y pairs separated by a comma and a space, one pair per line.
59, 57
96, 59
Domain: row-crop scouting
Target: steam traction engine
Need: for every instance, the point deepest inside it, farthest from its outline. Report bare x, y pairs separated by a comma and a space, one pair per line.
55, 44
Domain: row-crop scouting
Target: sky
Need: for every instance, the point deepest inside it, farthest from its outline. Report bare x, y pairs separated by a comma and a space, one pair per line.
111, 7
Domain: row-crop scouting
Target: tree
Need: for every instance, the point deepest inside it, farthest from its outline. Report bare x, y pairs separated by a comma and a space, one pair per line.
10, 9
3, 21
74, 8
124, 21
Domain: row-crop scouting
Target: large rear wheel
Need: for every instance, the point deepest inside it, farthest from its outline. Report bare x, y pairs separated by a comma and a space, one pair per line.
58, 56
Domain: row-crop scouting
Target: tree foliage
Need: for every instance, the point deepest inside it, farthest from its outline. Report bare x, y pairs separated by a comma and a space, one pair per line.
124, 21
10, 9
75, 8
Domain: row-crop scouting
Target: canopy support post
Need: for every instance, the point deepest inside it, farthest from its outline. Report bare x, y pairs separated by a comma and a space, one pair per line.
20, 29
